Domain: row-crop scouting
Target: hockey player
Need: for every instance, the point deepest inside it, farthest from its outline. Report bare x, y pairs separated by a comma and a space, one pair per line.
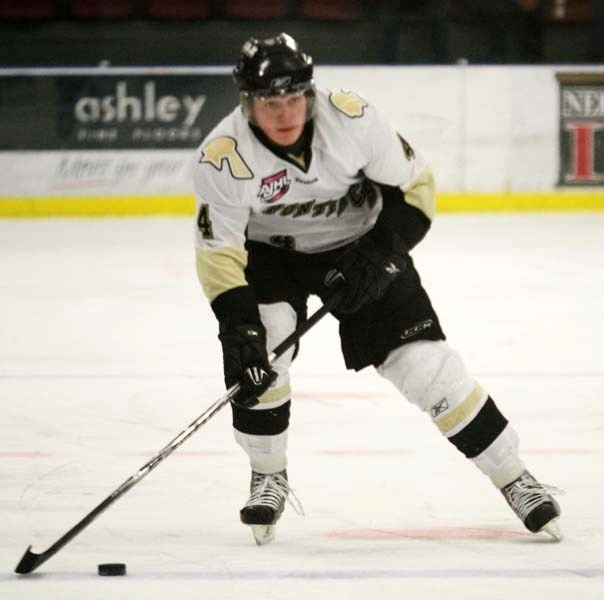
298, 183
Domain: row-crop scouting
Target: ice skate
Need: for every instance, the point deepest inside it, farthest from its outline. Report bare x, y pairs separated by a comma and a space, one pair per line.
265, 505
533, 503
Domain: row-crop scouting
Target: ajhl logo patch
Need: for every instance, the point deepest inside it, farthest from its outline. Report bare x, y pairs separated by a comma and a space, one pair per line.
274, 187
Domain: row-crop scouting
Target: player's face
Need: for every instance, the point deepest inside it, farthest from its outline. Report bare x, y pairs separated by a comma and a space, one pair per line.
281, 118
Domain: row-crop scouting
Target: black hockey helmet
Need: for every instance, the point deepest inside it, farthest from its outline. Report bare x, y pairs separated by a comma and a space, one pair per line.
273, 67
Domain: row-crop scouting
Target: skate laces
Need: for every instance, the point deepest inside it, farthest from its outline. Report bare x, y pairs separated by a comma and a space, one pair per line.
526, 493
271, 490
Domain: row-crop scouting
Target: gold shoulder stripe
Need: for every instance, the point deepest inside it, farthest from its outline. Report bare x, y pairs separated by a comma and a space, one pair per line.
348, 103
220, 269
225, 149
421, 193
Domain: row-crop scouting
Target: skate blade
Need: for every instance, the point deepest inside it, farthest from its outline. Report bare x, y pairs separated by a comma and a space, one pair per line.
263, 534
554, 530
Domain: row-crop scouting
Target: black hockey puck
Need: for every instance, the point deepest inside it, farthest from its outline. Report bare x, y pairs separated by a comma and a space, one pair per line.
111, 569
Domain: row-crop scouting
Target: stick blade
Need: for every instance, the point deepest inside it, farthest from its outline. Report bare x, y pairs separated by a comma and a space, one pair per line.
29, 562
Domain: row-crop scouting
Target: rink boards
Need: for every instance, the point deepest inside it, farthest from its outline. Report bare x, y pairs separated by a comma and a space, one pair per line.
121, 141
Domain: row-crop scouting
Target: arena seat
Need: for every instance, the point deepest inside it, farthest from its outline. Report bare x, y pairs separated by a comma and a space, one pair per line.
566, 11
101, 9
244, 9
178, 9
26, 9
337, 10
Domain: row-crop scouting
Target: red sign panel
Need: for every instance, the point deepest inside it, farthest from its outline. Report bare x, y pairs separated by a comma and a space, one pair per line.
581, 129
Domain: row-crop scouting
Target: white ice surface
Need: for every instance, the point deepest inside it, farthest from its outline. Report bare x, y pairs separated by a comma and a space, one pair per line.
108, 350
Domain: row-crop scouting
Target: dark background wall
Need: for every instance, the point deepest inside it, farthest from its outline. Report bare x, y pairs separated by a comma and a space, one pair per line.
208, 32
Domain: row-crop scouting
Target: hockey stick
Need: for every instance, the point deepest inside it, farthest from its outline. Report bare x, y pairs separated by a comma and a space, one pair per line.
31, 561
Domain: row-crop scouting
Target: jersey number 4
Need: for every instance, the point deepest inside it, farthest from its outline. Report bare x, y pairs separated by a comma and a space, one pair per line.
204, 223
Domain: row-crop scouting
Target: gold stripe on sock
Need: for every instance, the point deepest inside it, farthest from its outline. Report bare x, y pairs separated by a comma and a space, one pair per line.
450, 420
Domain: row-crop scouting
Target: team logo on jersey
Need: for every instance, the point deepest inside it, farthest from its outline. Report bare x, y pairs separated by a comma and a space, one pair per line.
274, 187
349, 103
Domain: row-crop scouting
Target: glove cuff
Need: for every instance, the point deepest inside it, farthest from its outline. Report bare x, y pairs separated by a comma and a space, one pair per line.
237, 306
399, 226
387, 241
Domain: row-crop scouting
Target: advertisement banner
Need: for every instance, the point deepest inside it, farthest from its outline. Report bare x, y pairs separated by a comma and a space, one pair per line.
111, 111
121, 140
581, 129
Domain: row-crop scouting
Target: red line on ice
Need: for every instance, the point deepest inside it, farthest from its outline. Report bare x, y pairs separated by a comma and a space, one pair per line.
429, 533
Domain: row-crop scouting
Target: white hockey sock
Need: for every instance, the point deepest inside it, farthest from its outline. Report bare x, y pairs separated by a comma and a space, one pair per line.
267, 453
500, 461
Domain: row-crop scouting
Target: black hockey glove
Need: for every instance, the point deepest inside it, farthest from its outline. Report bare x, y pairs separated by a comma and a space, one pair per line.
366, 270
245, 361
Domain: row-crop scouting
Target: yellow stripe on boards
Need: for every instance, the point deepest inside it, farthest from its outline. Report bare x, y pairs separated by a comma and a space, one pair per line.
106, 206
521, 201
96, 206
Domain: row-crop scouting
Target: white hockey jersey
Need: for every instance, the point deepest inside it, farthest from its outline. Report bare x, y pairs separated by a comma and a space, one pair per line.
242, 188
